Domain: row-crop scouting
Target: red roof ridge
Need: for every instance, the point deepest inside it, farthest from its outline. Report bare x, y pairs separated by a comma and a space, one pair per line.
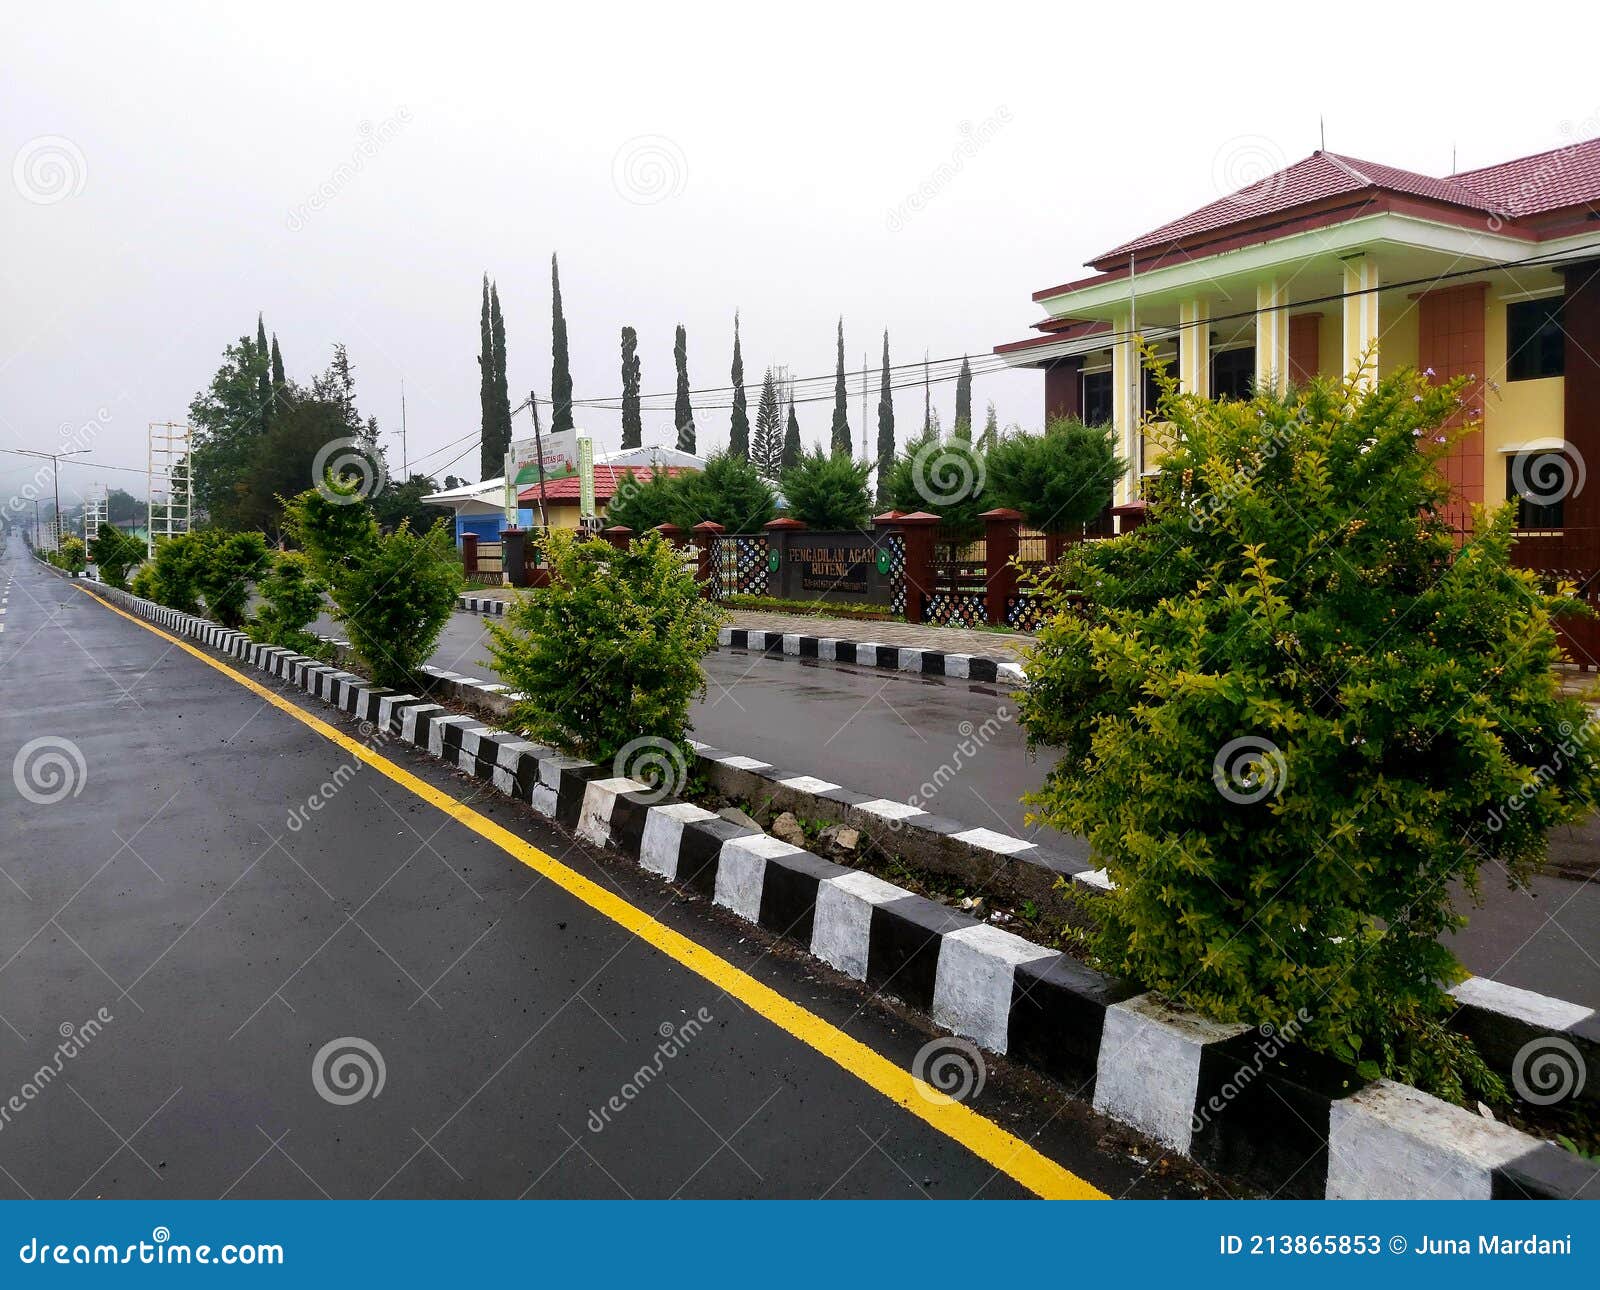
1532, 156
1345, 164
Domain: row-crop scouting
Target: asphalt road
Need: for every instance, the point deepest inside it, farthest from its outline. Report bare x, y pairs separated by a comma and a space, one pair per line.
887, 733
175, 913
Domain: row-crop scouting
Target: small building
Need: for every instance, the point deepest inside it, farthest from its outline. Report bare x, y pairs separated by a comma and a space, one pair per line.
1491, 274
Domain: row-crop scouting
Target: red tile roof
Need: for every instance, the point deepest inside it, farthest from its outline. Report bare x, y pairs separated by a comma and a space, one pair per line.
1320, 176
605, 484
1546, 181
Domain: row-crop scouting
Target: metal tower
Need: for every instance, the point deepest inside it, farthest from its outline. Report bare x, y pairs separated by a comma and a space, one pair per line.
169, 482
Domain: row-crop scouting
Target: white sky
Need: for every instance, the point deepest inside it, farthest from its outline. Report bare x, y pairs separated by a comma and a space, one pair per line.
792, 133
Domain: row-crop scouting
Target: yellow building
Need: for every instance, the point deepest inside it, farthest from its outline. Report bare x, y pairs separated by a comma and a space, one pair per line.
1492, 274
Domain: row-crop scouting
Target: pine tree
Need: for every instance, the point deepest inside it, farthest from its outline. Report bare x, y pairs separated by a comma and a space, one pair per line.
682, 412
632, 421
963, 426
739, 427
489, 465
280, 382
263, 376
499, 395
791, 441
767, 451
885, 426
560, 371
991, 429
841, 420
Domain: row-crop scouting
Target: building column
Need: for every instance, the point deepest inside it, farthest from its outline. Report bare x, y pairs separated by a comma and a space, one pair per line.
1126, 414
1194, 348
1361, 317
1063, 389
1272, 335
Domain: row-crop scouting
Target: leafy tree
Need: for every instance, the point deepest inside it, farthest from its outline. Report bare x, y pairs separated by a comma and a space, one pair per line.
841, 416
114, 553
283, 463
1059, 480
885, 426
1295, 715
632, 421
963, 426
729, 491
739, 426
767, 454
560, 368
122, 507
643, 501
682, 412
828, 491
609, 654
946, 477
227, 417
791, 441
991, 430
403, 502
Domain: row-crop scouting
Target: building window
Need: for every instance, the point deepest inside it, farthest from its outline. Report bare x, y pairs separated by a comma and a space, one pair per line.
1538, 482
1233, 373
1097, 398
1535, 343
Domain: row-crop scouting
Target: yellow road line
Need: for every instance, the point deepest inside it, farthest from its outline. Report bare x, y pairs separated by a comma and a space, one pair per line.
1006, 1152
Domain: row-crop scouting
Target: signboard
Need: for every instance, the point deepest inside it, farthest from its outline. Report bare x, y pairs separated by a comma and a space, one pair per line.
560, 459
851, 566
585, 476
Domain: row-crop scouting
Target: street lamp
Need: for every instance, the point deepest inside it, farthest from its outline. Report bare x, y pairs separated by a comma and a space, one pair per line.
55, 480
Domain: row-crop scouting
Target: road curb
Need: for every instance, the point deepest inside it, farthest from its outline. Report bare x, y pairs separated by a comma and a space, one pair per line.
1240, 1101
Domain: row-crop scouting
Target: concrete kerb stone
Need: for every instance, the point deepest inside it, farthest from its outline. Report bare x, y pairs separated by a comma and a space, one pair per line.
868, 653
1162, 1071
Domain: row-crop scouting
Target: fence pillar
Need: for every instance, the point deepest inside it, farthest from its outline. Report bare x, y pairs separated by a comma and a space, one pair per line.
779, 532
513, 554
706, 534
916, 530
1001, 528
671, 532
469, 552
619, 535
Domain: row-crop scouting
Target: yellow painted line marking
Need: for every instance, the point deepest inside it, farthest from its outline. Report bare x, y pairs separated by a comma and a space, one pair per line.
985, 1139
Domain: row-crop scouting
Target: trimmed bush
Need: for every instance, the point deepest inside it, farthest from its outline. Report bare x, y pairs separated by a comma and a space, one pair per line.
114, 553
175, 575
227, 566
1295, 713
1059, 480
828, 491
291, 601
729, 491
610, 651
643, 501
946, 477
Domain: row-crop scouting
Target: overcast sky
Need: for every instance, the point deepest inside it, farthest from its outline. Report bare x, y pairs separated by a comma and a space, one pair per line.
351, 169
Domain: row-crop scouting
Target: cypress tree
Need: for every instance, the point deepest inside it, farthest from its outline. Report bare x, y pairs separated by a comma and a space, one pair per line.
791, 441
489, 465
885, 426
280, 383
963, 426
560, 371
767, 453
739, 427
841, 419
263, 376
499, 395
991, 429
682, 412
632, 421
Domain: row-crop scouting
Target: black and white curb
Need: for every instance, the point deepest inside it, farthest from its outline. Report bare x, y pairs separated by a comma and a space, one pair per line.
893, 658
482, 605
1227, 1096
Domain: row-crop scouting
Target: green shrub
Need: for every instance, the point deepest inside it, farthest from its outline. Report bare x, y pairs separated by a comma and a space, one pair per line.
291, 601
145, 584
643, 501
72, 554
227, 566
729, 491
176, 575
1295, 714
393, 592
610, 651
944, 476
828, 491
114, 553
1059, 480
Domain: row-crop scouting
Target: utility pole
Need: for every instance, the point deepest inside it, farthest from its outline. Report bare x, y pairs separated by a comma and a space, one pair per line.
405, 459
865, 454
538, 452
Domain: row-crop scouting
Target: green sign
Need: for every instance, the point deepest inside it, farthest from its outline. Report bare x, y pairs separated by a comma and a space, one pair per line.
772, 561
883, 560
